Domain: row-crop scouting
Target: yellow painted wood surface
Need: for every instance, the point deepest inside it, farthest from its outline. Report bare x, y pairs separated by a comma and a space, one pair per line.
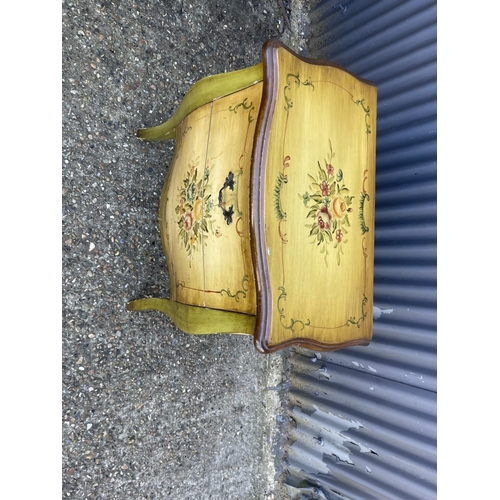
229, 276
319, 204
197, 320
203, 92
181, 209
317, 187
204, 208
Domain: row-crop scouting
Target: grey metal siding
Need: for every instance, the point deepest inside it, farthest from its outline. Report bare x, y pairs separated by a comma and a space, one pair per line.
364, 418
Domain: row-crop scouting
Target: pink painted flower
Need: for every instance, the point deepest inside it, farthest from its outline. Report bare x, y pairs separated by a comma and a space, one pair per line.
325, 188
339, 235
188, 221
324, 219
330, 169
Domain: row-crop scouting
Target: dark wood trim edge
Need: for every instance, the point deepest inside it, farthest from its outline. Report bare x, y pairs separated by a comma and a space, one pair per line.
319, 62
257, 234
265, 348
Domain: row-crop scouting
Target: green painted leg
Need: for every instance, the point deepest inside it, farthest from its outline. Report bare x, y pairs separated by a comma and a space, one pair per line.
203, 92
197, 320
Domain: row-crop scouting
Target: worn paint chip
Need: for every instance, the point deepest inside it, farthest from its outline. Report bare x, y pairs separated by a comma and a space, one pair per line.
328, 441
377, 312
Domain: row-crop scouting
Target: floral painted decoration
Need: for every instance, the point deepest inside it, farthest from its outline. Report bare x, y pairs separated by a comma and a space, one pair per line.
329, 207
194, 208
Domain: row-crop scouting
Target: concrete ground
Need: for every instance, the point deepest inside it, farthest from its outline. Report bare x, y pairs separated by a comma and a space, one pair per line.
149, 412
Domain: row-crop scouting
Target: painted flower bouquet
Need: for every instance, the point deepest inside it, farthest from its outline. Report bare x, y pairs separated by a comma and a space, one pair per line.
329, 207
194, 207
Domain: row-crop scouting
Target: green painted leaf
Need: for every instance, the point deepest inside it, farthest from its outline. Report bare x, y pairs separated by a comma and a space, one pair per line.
340, 175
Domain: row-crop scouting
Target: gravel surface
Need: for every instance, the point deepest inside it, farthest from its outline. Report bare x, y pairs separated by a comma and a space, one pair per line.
149, 412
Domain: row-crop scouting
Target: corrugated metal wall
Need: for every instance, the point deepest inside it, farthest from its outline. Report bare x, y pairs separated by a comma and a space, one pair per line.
365, 417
